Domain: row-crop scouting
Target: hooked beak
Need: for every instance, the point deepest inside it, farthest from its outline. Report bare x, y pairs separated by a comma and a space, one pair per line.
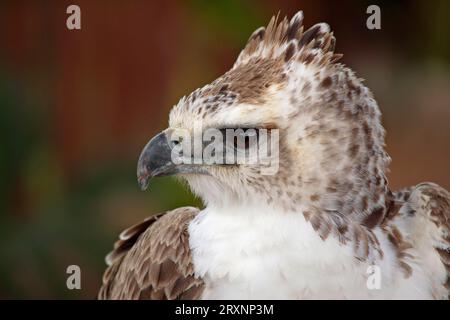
156, 161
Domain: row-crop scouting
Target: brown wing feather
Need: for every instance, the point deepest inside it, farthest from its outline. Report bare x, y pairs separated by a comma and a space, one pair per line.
435, 201
152, 260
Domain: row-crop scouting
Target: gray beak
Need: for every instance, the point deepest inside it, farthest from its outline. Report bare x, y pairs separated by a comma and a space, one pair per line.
155, 160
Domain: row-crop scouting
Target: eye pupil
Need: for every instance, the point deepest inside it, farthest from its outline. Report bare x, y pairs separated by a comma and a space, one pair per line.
243, 138
247, 136
235, 142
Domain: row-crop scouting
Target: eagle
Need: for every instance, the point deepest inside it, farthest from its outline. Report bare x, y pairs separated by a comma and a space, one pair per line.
314, 229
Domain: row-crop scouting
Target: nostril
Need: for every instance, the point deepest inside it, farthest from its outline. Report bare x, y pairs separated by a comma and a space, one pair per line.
176, 142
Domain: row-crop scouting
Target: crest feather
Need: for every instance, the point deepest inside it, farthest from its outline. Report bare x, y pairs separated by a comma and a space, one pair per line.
287, 38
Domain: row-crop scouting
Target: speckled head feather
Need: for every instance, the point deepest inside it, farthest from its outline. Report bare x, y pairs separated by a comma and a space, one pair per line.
332, 158
311, 229
288, 40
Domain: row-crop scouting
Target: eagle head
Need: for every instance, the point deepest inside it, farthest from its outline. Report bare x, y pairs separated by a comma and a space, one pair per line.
321, 123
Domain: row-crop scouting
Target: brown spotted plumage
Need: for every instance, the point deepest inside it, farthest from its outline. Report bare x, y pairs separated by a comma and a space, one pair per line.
311, 229
152, 260
427, 203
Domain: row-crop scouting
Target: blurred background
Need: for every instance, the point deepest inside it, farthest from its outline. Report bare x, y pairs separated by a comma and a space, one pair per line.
76, 107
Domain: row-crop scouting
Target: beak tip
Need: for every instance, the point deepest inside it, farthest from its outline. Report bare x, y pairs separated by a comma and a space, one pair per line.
143, 182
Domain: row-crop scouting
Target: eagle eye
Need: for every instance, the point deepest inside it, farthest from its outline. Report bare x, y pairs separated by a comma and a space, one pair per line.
240, 138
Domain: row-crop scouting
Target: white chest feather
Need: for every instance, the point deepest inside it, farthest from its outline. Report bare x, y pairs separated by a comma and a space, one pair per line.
271, 255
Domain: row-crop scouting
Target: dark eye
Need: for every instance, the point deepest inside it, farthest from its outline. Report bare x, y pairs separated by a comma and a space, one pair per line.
241, 137
250, 137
